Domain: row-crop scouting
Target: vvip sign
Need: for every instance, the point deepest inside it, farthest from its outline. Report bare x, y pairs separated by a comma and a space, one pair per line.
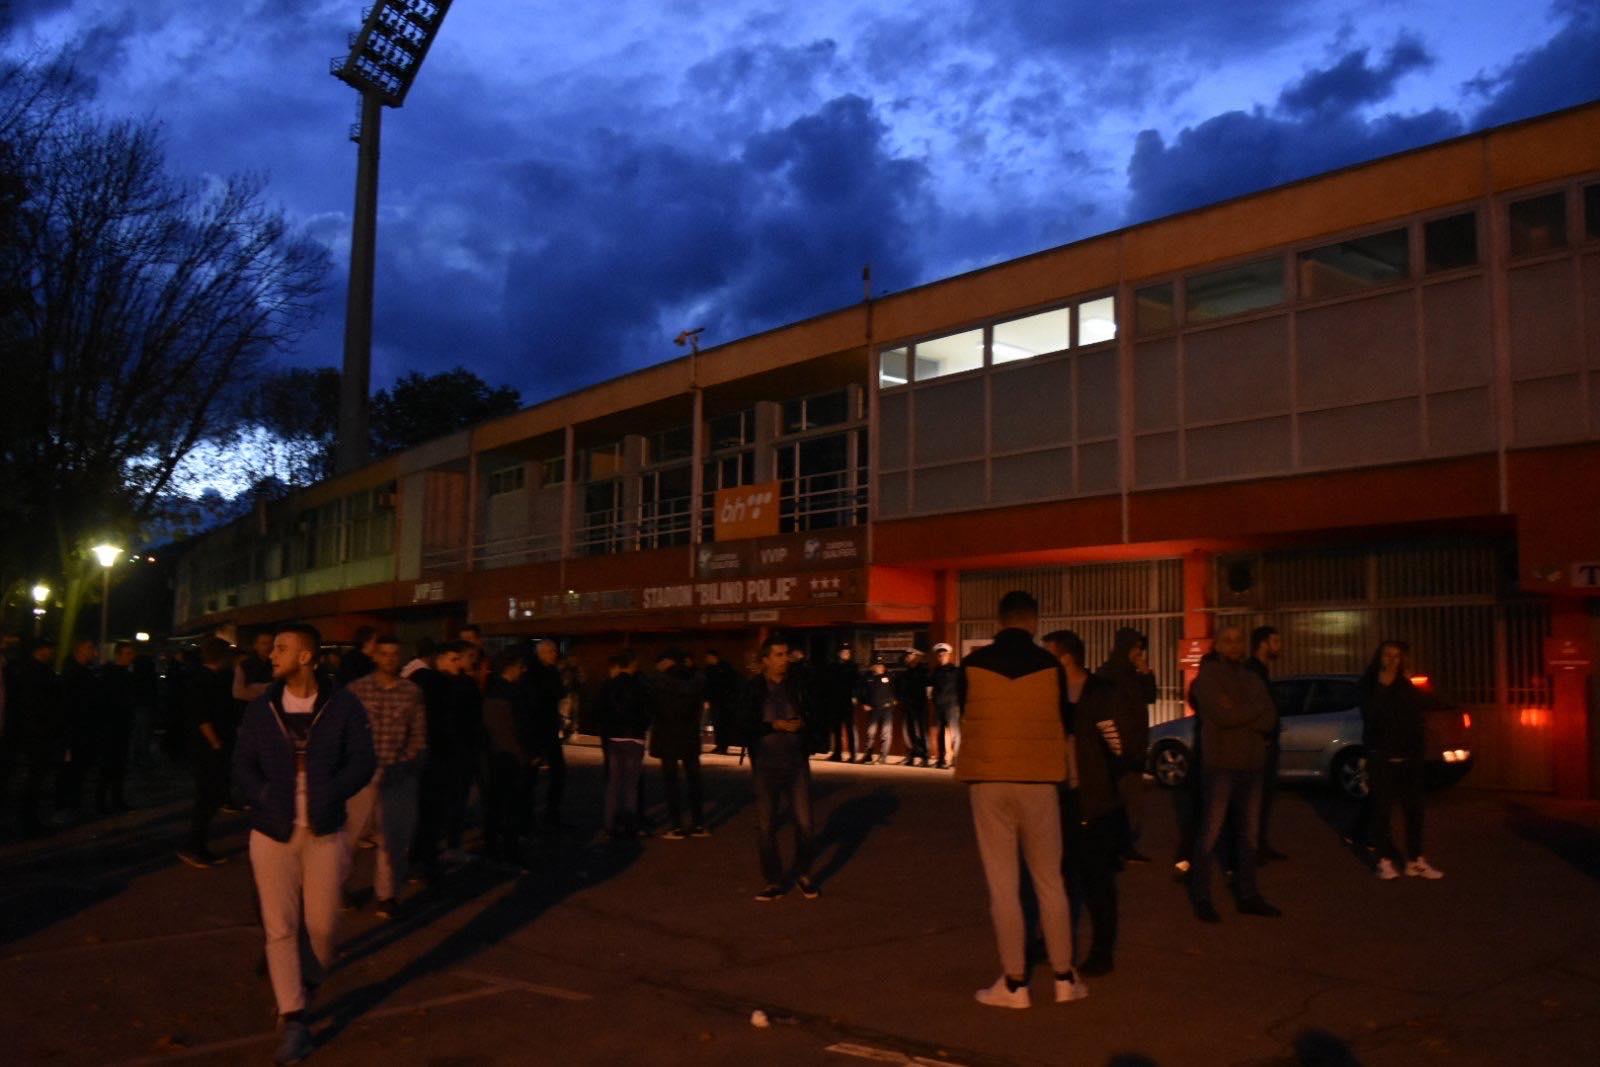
747, 511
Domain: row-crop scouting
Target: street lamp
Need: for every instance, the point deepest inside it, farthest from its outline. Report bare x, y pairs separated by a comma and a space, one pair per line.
385, 55
108, 556
41, 593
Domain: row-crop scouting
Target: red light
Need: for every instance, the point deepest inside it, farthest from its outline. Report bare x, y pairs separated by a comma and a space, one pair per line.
1534, 717
1422, 681
1466, 721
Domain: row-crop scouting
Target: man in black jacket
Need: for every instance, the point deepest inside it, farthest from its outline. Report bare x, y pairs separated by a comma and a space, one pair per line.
836, 694
35, 723
211, 728
82, 704
1091, 808
911, 692
1133, 689
945, 679
1266, 645
781, 727
875, 694
545, 688
116, 726
623, 720
723, 682
678, 695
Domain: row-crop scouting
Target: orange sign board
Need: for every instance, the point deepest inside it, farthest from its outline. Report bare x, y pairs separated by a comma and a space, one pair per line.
746, 511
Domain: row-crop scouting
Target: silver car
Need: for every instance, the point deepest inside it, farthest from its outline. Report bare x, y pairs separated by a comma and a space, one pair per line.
1321, 739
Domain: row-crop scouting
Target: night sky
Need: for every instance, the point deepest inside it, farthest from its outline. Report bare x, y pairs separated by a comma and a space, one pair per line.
569, 185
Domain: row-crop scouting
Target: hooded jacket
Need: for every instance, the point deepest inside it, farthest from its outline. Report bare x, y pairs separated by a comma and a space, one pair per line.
1393, 725
339, 760
1132, 693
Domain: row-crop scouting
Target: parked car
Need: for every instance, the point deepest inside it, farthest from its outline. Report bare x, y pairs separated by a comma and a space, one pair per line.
1321, 738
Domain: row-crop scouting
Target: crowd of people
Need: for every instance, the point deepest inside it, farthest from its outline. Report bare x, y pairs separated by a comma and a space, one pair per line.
324, 751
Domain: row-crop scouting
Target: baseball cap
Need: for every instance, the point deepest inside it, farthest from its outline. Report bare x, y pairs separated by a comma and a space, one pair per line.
942, 647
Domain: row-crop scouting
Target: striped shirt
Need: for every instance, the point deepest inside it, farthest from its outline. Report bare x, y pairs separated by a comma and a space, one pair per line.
398, 717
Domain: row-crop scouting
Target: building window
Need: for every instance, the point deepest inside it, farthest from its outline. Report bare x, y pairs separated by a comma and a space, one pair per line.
552, 471
820, 488
894, 368
604, 461
1591, 211
330, 534
1036, 335
1220, 293
507, 480
1097, 321
815, 412
1360, 263
602, 530
939, 356
664, 499
1450, 243
1153, 309
667, 445
1538, 224
732, 431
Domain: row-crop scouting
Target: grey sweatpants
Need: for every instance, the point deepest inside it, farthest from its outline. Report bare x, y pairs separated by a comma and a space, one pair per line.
1026, 815
295, 879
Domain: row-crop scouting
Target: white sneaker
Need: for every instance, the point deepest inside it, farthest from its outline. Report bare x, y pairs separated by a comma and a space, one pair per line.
1073, 988
1421, 868
1001, 995
1386, 871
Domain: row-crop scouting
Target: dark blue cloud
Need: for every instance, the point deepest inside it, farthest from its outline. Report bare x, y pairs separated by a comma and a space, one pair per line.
1560, 73
1353, 81
1102, 29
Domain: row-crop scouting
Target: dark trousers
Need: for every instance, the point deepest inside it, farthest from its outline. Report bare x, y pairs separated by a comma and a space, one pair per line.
916, 724
504, 802
947, 723
41, 764
113, 773
210, 767
81, 759
781, 768
555, 769
1235, 794
842, 730
1130, 787
1396, 781
880, 731
1269, 790
436, 807
669, 776
722, 726
1089, 862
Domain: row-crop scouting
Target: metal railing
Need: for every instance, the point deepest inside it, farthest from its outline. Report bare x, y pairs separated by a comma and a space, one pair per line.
497, 552
824, 501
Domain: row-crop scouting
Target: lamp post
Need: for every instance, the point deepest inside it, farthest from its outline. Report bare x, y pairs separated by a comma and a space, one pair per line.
41, 593
108, 556
385, 55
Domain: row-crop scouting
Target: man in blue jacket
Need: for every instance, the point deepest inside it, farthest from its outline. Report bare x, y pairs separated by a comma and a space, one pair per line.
304, 749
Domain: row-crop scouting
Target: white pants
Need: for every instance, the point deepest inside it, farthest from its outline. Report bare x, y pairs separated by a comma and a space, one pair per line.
1022, 816
298, 880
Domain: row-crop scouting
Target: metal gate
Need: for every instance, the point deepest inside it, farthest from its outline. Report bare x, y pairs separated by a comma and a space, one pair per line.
1451, 600
1094, 600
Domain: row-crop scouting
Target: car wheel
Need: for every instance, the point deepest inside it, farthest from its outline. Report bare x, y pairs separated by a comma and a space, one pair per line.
1169, 764
1349, 774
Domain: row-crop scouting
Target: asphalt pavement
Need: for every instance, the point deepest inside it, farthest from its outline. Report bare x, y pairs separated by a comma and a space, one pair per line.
654, 952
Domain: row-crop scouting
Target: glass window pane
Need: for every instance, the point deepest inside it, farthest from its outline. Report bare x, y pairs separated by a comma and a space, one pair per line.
1451, 243
1235, 290
1097, 321
794, 416
829, 409
893, 368
1538, 225
604, 462
1350, 266
1036, 335
949, 355
1153, 309
1591, 210
729, 431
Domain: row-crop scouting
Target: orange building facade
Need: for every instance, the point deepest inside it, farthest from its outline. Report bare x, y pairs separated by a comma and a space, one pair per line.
1361, 406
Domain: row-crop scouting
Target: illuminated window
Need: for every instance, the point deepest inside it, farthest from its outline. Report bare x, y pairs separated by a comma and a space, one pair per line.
1233, 291
1450, 243
1538, 225
1036, 335
1097, 321
940, 356
1360, 263
1153, 309
894, 368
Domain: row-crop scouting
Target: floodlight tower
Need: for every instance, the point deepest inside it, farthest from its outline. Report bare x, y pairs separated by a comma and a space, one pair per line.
384, 58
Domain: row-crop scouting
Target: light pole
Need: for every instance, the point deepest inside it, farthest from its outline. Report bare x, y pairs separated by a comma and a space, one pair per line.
108, 556
41, 593
385, 55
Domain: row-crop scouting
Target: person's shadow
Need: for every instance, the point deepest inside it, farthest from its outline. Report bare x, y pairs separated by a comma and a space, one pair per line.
848, 827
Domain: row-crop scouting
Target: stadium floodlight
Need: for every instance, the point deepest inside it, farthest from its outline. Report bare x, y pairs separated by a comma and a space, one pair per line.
385, 55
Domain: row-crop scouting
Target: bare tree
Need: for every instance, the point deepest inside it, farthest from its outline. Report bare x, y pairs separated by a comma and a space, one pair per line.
135, 311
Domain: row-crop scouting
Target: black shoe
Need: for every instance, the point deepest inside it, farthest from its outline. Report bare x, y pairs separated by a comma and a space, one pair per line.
1257, 906
1268, 854
1133, 855
941, 765
720, 750
1096, 965
770, 894
386, 909
699, 831
1206, 912
835, 758
808, 889
200, 858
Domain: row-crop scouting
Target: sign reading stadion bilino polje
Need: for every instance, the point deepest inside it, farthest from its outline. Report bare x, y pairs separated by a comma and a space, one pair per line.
720, 594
